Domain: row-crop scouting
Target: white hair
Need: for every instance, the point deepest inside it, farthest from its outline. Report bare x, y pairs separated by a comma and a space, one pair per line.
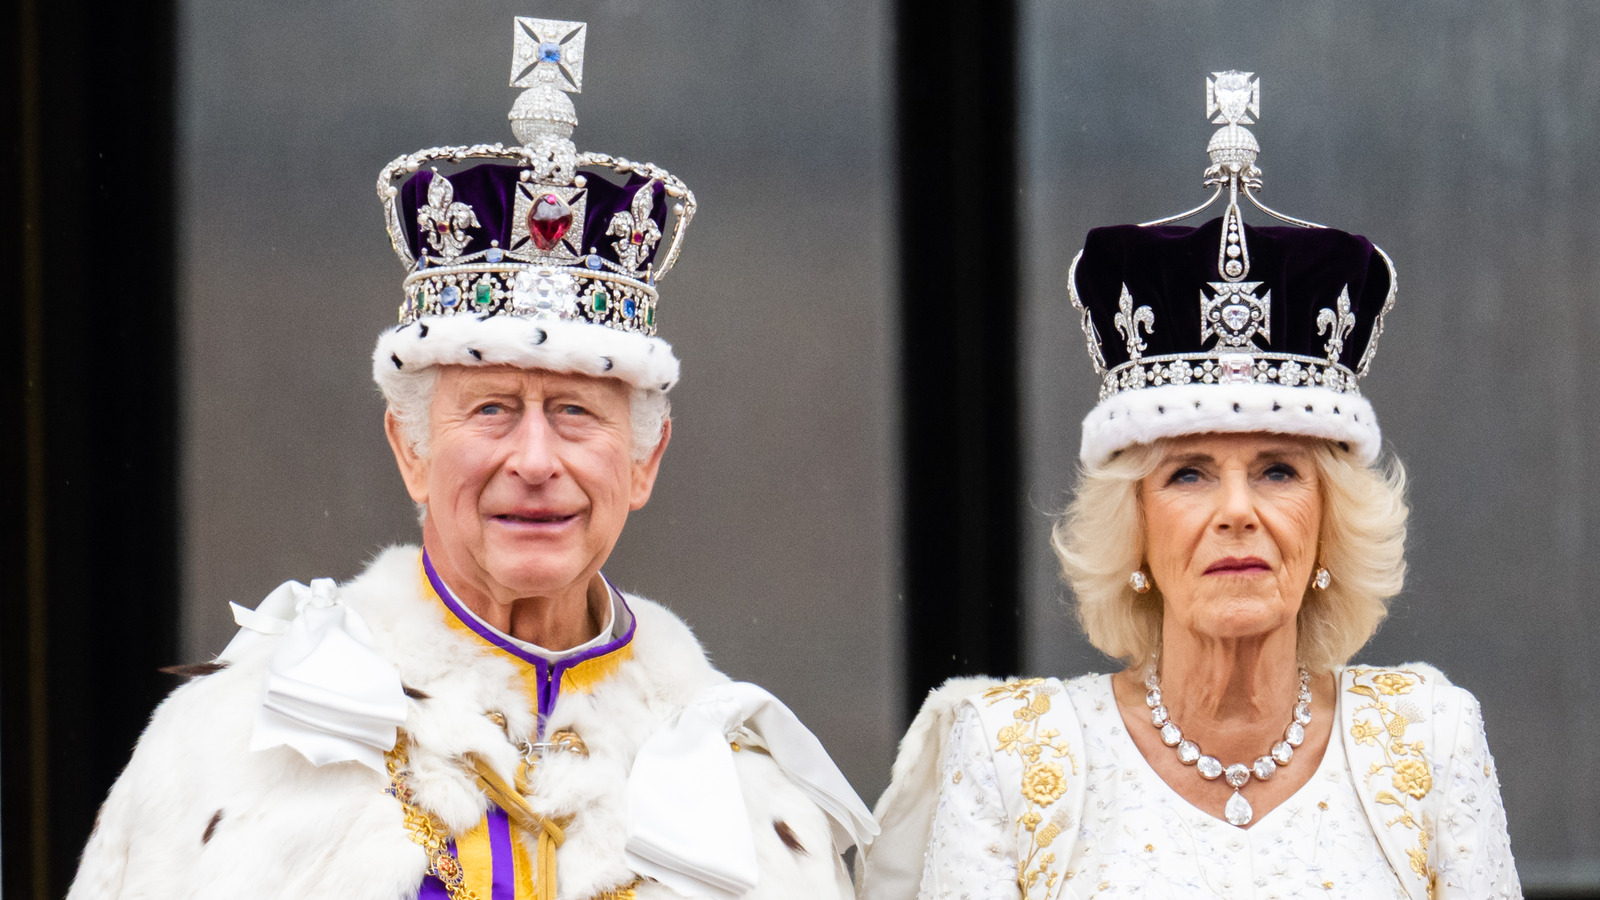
410, 398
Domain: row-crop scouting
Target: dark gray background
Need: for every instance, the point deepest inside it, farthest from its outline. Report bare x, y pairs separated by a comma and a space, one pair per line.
1457, 136
1461, 138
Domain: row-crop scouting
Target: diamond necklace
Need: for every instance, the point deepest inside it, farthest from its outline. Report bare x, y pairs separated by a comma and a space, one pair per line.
1238, 810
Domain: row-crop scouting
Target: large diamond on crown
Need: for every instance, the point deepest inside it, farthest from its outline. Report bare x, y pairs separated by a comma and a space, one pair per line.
1235, 315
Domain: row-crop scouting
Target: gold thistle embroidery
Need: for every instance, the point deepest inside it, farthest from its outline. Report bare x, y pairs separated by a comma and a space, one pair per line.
1044, 779
1379, 724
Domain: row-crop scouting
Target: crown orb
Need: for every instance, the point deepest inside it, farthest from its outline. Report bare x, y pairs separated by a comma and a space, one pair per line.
548, 220
540, 110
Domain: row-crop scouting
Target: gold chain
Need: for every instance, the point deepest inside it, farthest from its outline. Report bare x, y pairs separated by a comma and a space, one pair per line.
426, 830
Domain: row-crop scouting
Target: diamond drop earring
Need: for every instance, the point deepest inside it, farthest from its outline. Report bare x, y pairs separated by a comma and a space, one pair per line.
1322, 578
1139, 581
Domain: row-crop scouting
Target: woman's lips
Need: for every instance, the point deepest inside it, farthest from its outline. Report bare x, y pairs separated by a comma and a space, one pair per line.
1237, 565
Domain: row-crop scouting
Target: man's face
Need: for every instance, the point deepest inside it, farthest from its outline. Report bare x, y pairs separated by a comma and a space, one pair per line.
529, 477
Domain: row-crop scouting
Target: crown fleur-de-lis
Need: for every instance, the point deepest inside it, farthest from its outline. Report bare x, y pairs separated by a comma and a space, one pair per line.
637, 229
1336, 325
1128, 321
444, 219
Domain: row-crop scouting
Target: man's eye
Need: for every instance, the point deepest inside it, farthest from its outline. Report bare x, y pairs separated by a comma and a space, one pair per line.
491, 409
572, 409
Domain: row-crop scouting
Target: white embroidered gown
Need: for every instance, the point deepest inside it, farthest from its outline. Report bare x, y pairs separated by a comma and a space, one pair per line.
1138, 838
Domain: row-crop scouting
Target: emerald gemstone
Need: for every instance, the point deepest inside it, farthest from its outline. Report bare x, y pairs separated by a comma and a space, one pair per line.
481, 294
600, 297
650, 317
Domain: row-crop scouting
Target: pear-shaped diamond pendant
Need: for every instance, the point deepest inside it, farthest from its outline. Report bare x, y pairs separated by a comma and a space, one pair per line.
1238, 810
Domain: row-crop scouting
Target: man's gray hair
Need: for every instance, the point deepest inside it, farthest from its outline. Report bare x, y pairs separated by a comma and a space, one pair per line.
411, 397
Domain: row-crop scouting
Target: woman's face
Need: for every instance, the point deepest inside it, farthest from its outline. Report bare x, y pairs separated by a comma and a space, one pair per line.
1231, 524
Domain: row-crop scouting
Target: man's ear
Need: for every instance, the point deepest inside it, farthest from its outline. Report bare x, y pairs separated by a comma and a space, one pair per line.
413, 467
644, 470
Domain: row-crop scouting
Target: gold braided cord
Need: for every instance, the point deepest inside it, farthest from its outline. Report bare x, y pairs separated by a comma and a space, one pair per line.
517, 809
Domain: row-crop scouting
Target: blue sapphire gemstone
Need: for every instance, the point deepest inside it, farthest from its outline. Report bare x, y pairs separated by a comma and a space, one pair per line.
450, 296
494, 254
550, 51
629, 307
593, 261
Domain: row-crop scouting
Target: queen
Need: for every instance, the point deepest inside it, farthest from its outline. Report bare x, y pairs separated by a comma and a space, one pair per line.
1234, 540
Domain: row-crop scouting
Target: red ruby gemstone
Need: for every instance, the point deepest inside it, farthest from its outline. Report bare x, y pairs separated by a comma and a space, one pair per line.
638, 237
548, 221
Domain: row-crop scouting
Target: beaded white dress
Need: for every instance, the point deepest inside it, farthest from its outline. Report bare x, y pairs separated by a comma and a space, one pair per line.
1138, 838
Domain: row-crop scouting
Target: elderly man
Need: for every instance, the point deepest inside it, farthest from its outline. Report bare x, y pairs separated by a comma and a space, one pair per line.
488, 717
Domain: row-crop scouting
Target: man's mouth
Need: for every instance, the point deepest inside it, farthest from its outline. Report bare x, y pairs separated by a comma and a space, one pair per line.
535, 518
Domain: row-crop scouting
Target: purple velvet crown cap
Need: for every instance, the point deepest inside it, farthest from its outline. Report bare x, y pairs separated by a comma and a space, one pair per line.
490, 189
1167, 267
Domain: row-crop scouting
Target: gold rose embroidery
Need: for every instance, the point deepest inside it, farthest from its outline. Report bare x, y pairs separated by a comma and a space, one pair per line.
1393, 683
1044, 783
1408, 769
1412, 777
1044, 779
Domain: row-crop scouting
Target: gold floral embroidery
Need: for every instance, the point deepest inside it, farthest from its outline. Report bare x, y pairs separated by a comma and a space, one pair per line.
1408, 769
1044, 783
1044, 779
1393, 683
1412, 777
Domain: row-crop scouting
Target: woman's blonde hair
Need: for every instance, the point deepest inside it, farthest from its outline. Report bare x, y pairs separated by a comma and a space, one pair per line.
1100, 541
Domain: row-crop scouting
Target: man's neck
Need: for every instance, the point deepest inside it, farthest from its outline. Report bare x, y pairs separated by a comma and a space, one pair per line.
557, 622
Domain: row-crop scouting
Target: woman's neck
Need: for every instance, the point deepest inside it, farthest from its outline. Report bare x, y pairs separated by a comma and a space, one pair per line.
1233, 696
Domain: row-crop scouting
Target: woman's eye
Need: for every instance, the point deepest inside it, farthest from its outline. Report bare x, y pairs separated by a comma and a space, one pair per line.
1281, 472
1185, 475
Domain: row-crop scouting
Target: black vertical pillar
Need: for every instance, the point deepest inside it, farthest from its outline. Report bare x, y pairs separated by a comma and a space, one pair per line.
956, 106
88, 561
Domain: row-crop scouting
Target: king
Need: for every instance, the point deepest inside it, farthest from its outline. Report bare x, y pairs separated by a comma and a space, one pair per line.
486, 716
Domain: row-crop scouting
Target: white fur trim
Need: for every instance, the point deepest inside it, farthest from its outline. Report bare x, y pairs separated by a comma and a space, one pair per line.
891, 867
286, 828
1149, 414
507, 340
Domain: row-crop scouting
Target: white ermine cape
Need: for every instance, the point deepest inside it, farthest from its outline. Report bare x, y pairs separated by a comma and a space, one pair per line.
197, 814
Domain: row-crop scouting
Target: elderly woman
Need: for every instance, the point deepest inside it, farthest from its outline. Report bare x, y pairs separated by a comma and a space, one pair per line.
1233, 541
487, 716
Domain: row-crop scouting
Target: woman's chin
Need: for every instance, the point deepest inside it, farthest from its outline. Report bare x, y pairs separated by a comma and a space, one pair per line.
1239, 618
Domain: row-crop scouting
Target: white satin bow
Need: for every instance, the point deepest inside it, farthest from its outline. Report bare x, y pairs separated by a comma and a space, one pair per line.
329, 695
687, 822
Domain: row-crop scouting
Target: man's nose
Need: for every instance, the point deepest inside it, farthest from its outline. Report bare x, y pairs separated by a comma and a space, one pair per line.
532, 456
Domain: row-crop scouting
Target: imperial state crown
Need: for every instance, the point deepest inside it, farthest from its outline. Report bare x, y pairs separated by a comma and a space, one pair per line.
533, 256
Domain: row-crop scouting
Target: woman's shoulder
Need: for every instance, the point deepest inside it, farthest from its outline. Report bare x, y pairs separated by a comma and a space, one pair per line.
1387, 706
1415, 680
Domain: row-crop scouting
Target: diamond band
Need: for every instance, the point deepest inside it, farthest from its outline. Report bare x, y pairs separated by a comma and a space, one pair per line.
1286, 369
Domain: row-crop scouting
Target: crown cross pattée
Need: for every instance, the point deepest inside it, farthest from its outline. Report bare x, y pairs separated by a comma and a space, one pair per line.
1235, 315
548, 52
